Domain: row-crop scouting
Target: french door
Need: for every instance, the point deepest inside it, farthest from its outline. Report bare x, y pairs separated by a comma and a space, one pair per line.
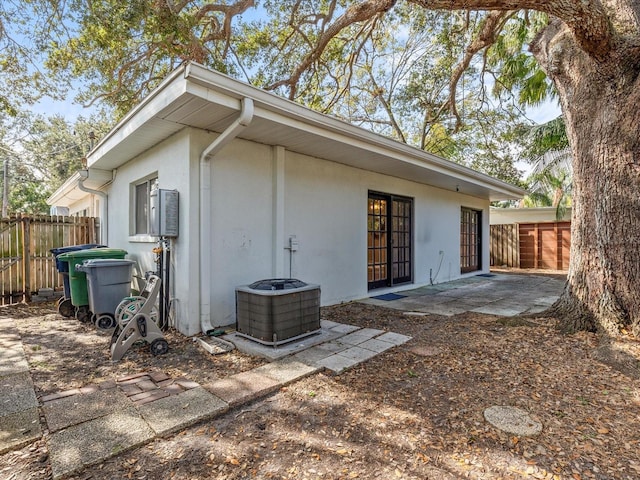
470, 240
389, 240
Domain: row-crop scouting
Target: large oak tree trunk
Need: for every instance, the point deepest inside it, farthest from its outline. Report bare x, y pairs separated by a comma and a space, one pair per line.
601, 104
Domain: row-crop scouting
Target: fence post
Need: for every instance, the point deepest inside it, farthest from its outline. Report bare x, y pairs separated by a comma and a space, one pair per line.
26, 258
93, 231
516, 236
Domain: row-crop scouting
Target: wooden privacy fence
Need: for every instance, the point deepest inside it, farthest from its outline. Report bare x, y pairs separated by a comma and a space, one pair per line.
504, 246
531, 245
26, 263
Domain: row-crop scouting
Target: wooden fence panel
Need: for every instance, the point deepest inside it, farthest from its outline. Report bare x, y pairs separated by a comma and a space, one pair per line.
528, 236
10, 261
545, 245
531, 245
548, 240
564, 245
504, 249
26, 262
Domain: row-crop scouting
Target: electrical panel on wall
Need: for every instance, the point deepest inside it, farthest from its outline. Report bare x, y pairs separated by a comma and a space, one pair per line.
163, 213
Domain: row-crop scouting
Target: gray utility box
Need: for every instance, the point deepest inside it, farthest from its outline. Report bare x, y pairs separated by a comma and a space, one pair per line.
277, 310
163, 214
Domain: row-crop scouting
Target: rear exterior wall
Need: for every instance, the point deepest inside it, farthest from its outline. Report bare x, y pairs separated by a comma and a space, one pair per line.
260, 197
263, 195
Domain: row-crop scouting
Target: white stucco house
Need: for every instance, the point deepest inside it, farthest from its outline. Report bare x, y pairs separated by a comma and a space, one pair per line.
270, 189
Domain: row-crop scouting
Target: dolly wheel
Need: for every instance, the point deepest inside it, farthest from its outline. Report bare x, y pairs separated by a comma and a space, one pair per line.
66, 308
159, 346
105, 321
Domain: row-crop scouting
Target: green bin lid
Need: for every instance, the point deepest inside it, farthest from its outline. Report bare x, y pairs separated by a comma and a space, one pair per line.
92, 253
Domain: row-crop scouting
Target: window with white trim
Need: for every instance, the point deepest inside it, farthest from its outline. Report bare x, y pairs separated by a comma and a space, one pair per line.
140, 193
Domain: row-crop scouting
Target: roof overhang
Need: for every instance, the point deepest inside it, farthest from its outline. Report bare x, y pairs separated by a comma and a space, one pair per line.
69, 193
194, 96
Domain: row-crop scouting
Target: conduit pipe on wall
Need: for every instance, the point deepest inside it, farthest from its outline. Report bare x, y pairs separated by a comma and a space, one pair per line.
104, 229
231, 132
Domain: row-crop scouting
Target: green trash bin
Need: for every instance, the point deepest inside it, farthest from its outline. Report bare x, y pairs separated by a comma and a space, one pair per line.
78, 279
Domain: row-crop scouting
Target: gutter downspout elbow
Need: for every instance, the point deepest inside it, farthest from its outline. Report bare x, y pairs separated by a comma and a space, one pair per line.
232, 131
104, 230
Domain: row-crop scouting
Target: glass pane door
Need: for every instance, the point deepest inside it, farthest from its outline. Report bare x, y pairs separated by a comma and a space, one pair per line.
401, 240
389, 234
377, 243
470, 240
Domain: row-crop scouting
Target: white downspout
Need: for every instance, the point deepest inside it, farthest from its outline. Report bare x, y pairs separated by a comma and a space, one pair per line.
231, 132
104, 229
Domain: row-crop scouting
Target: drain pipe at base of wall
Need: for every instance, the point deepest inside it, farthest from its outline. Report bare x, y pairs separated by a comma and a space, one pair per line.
231, 132
104, 231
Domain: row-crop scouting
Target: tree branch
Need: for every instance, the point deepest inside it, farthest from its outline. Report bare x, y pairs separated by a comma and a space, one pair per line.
378, 93
219, 32
491, 26
587, 19
229, 11
364, 35
356, 13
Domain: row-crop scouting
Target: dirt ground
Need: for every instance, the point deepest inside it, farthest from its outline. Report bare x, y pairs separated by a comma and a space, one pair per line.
415, 412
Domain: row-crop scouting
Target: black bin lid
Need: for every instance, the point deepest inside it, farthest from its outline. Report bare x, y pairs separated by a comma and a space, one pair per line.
277, 284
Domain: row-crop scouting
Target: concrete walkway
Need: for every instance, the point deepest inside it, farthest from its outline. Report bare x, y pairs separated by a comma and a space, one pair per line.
98, 421
93, 423
19, 416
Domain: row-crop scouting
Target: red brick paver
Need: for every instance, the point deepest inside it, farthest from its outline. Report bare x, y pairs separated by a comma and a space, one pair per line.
148, 387
56, 396
159, 376
140, 388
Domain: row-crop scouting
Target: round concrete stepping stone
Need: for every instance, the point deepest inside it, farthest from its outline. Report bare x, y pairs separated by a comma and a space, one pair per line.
512, 420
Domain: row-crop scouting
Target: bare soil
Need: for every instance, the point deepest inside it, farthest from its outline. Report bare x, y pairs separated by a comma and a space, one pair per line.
415, 412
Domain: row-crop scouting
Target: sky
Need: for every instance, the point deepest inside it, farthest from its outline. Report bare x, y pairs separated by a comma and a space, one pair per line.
545, 112
69, 110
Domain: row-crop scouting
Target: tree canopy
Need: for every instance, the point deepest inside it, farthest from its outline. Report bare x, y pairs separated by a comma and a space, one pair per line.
453, 83
41, 153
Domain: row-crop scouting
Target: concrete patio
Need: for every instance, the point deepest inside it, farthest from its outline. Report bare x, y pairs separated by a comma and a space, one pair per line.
494, 294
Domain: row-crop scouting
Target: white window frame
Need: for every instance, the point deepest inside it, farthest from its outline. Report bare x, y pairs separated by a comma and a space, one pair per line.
136, 234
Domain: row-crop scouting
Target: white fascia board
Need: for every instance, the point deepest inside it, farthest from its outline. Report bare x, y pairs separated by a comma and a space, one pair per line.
61, 196
161, 97
69, 193
395, 151
271, 106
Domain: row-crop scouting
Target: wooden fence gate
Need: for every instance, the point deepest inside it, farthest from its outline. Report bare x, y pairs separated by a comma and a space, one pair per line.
531, 245
26, 263
545, 245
